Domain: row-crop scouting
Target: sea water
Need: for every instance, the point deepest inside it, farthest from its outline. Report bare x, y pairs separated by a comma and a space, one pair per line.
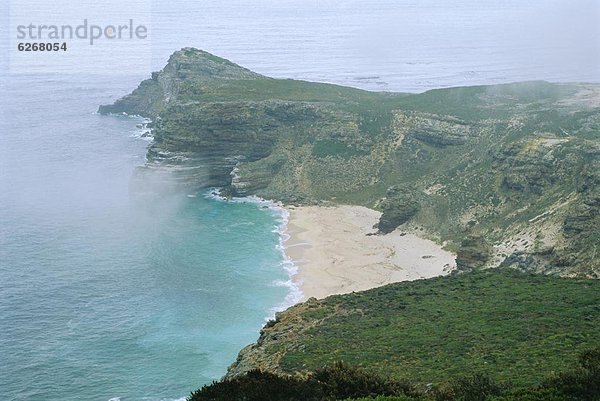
105, 295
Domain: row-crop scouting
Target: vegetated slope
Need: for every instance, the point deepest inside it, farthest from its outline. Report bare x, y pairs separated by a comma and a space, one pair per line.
339, 381
508, 325
507, 174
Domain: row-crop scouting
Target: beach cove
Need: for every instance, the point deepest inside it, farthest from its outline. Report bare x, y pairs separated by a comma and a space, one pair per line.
337, 251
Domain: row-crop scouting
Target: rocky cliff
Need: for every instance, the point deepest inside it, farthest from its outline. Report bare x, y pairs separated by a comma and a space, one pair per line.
506, 174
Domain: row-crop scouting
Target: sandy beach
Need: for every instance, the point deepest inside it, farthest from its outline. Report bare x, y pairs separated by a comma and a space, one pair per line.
335, 255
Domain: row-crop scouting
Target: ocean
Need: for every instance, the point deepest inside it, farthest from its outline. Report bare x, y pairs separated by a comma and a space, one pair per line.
109, 296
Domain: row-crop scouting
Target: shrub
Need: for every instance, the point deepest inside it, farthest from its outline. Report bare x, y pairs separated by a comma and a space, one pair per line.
258, 385
582, 383
475, 388
341, 381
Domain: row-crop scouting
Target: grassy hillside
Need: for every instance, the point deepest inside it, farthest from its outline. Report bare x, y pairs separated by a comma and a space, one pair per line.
508, 325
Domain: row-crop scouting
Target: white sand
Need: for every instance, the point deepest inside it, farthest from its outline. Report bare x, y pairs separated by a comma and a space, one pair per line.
335, 255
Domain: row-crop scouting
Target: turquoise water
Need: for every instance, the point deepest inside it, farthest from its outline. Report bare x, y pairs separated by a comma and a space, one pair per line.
142, 305
104, 295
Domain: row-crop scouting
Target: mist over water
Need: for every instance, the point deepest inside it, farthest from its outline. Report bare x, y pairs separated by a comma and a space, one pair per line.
104, 294
112, 295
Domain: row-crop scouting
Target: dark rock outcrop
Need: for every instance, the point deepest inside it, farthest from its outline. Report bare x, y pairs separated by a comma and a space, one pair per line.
398, 207
440, 132
185, 66
473, 253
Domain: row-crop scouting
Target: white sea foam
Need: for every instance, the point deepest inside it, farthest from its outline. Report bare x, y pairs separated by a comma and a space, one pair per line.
288, 264
142, 131
144, 135
215, 194
297, 244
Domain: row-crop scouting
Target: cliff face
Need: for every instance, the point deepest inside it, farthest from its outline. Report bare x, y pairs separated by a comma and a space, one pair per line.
185, 66
506, 174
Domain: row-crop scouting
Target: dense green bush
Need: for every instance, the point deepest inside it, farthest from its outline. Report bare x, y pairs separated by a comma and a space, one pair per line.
471, 388
259, 386
582, 383
387, 398
336, 382
344, 382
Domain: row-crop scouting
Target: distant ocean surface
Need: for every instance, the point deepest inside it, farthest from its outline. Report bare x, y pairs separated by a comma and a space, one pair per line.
104, 295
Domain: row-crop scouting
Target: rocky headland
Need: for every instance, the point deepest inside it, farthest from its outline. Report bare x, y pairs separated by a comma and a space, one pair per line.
506, 175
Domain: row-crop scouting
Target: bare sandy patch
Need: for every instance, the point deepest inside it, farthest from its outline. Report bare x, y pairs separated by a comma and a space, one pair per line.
337, 252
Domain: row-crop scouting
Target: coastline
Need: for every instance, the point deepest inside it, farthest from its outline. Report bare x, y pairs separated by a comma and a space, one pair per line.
281, 215
330, 250
334, 253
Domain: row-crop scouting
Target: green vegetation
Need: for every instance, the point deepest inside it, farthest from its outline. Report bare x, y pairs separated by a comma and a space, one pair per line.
326, 147
508, 176
508, 325
504, 162
344, 382
335, 382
